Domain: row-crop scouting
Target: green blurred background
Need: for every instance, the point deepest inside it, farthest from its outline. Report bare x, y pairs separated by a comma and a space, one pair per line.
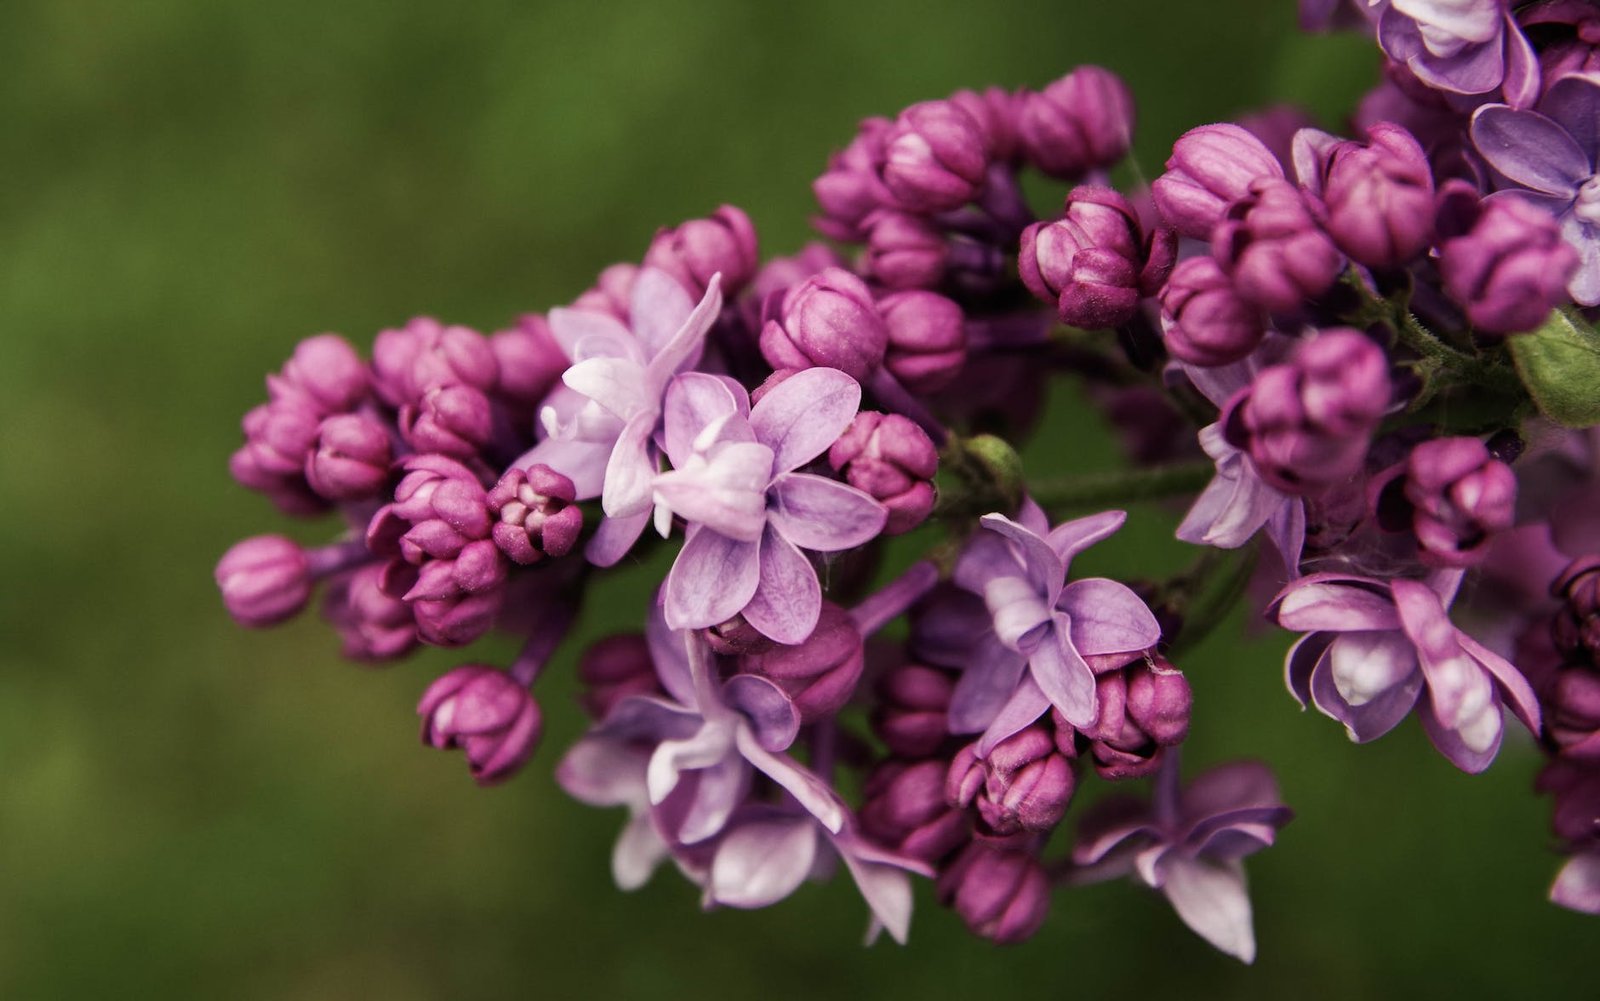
190, 810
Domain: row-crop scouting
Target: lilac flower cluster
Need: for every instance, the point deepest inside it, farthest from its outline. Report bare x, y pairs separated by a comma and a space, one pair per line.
1381, 345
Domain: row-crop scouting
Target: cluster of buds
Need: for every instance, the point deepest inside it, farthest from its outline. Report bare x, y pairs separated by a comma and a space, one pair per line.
1354, 331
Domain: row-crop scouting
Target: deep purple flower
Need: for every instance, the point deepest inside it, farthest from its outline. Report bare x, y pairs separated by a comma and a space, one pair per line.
1461, 46
927, 339
1190, 844
1094, 263
904, 807
890, 458
750, 514
1549, 156
1081, 123
1002, 893
1272, 248
454, 420
1375, 649
1508, 267
1023, 783
1048, 636
700, 249
1454, 496
912, 710
1211, 167
1576, 628
487, 714
997, 111
818, 674
1378, 195
934, 157
1203, 319
1569, 32
830, 321
535, 514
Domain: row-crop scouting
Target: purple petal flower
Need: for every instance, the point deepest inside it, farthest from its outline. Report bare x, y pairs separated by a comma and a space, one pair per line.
1461, 46
488, 714
1577, 887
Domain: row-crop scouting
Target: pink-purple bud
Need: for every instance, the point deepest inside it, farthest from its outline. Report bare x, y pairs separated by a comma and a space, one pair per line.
486, 713
611, 294
912, 712
998, 112
1510, 268
1003, 894
905, 250
904, 809
264, 580
927, 339
373, 625
934, 157
1576, 627
614, 668
1306, 423
1140, 710
1379, 197
889, 457
280, 435
1203, 320
536, 514
529, 362
351, 457
327, 372
1094, 262
1211, 167
827, 321
850, 189
457, 621
1576, 788
1272, 248
1460, 496
1082, 122
724, 243
820, 674
1023, 784
424, 354
453, 420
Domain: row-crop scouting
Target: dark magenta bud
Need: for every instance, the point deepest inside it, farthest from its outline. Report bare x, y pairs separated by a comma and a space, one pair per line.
536, 514
905, 250
998, 112
1211, 167
911, 717
934, 157
1576, 627
486, 713
373, 625
827, 321
614, 668
1272, 248
904, 809
724, 243
820, 674
1203, 319
850, 189
1024, 784
457, 621
1459, 497
454, 420
927, 339
528, 360
1080, 123
1094, 262
1379, 196
423, 354
1509, 268
894, 460
1140, 710
1002, 894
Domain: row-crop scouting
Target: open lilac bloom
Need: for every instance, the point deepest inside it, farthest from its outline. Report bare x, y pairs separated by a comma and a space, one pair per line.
769, 850
1190, 845
1048, 636
1374, 650
750, 514
601, 424
1552, 157
1461, 46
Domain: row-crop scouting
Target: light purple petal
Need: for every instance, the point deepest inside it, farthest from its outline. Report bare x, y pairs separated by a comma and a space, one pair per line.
1470, 744
984, 557
1584, 285
1333, 602
770, 714
630, 469
1213, 900
1366, 665
582, 462
1070, 538
1107, 827
708, 746
616, 384
763, 861
1020, 616
1577, 886
584, 334
601, 771
1372, 720
1234, 785
1573, 102
649, 719
788, 599
1309, 149
1108, 617
718, 791
637, 853
815, 795
823, 515
614, 538
657, 307
1529, 149
1286, 528
805, 414
728, 494
984, 687
1026, 704
1300, 661
693, 402
713, 578
1522, 72
1514, 687
1458, 688
1045, 570
1063, 676
682, 351
887, 891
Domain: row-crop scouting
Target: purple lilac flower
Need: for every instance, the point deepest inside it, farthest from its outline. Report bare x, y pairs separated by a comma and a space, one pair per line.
1461, 46
1454, 496
890, 458
1047, 636
1204, 322
750, 514
1023, 783
927, 342
912, 711
828, 320
486, 713
934, 157
1272, 248
1190, 845
1001, 892
1378, 195
1503, 261
1095, 263
1141, 710
904, 807
1374, 650
699, 250
1079, 124
1211, 167
1548, 157
600, 430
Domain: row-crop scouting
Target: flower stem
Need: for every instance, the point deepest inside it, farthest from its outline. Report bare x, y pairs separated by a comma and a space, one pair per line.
1121, 486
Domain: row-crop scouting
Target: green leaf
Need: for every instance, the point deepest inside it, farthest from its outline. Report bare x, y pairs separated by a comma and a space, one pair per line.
1560, 365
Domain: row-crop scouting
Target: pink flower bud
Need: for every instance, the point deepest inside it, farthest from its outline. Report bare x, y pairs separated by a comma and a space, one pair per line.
1002, 894
264, 580
487, 714
927, 339
820, 674
351, 457
1211, 167
827, 321
1080, 123
934, 157
889, 457
904, 808
693, 252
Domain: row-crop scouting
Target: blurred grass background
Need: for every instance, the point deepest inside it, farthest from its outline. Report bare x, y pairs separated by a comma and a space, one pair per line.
190, 810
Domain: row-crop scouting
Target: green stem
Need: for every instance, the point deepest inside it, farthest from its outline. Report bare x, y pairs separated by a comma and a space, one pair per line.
1453, 363
1121, 486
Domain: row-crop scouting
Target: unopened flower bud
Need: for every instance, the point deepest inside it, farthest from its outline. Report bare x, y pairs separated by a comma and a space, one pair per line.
612, 292
905, 250
934, 157
1576, 788
529, 362
927, 339
486, 713
451, 420
373, 625
1510, 268
537, 514
1140, 710
1379, 197
1023, 784
1203, 320
457, 621
1211, 167
1459, 497
1094, 262
904, 808
351, 457
724, 243
1576, 628
827, 321
1273, 250
264, 580
327, 371
850, 189
280, 435
1002, 894
889, 457
1080, 123
614, 668
998, 112
424, 354
819, 674
912, 714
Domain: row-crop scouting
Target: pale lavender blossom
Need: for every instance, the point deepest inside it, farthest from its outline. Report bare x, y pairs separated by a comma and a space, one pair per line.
599, 427
1461, 46
1048, 636
1374, 650
749, 513
1190, 844
1577, 886
1551, 156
